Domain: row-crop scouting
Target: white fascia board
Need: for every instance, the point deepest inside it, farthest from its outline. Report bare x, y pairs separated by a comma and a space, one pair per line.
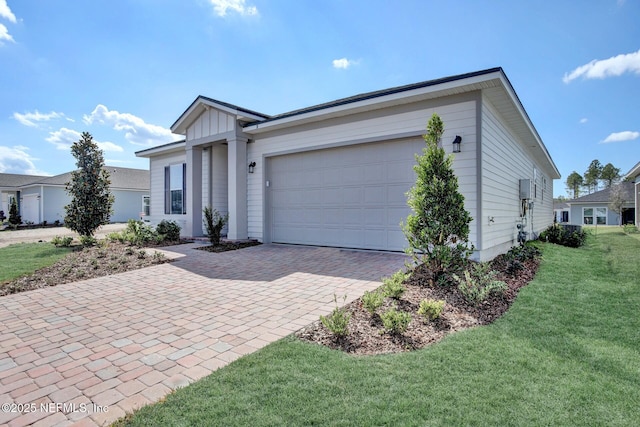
199, 106
163, 149
635, 171
376, 102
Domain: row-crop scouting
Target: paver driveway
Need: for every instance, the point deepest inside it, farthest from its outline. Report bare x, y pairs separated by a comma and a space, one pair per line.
91, 351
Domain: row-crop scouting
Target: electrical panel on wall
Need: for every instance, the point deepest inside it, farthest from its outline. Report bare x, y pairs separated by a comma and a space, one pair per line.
525, 189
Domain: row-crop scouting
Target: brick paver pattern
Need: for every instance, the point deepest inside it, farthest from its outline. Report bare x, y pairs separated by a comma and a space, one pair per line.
87, 353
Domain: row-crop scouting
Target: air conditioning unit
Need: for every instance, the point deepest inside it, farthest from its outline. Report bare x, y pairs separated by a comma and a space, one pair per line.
525, 189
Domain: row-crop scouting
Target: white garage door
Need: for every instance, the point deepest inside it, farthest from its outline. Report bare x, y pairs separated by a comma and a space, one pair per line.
351, 197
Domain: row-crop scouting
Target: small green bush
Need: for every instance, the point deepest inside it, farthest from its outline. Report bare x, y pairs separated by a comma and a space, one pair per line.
139, 233
560, 235
393, 286
337, 322
88, 240
372, 300
394, 321
214, 222
169, 230
478, 283
523, 253
630, 229
62, 241
431, 309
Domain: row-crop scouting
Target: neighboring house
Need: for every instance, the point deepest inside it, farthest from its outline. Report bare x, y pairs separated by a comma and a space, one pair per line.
593, 209
43, 198
561, 212
337, 174
633, 176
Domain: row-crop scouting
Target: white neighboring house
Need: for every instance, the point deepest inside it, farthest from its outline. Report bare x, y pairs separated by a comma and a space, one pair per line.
633, 176
337, 174
43, 198
594, 209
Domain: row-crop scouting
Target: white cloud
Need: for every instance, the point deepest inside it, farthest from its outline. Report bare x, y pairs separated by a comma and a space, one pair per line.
136, 130
221, 7
343, 63
621, 136
6, 13
4, 34
64, 138
31, 119
600, 69
584, 120
17, 160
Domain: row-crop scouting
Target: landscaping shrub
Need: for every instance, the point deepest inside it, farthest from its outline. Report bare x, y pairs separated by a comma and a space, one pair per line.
337, 322
560, 235
14, 218
168, 230
478, 283
523, 253
393, 286
431, 309
394, 321
139, 233
88, 240
2, 216
630, 229
214, 223
62, 241
372, 300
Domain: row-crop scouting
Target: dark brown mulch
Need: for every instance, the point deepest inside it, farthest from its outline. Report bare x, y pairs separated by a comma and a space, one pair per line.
86, 263
367, 335
229, 246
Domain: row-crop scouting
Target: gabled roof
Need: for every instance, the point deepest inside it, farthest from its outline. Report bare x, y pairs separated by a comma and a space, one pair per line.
201, 103
121, 178
603, 196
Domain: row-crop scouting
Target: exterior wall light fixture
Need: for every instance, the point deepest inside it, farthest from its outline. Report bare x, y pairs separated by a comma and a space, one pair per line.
456, 144
252, 166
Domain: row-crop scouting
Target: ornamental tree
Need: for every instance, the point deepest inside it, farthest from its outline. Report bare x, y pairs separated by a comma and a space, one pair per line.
438, 228
14, 218
91, 199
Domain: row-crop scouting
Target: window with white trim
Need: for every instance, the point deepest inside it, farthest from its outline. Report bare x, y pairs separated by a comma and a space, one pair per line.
146, 205
175, 191
591, 216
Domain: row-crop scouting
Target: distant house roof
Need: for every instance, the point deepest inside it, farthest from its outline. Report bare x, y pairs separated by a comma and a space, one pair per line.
8, 180
604, 196
121, 178
561, 205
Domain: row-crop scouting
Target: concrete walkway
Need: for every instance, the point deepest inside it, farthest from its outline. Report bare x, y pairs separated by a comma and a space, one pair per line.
86, 353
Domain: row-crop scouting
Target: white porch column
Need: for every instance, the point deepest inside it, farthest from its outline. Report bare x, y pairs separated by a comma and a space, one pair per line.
194, 192
237, 188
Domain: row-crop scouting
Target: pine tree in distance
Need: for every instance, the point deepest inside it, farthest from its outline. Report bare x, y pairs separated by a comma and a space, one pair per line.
91, 199
438, 228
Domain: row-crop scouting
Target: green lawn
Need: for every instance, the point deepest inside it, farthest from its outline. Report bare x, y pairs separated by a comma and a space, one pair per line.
25, 258
567, 353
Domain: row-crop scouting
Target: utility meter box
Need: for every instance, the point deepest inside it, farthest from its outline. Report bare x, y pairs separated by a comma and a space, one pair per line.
525, 189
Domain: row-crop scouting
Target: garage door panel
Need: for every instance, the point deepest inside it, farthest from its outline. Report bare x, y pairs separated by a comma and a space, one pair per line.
347, 197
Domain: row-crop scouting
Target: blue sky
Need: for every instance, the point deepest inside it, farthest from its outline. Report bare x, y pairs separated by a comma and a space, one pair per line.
125, 70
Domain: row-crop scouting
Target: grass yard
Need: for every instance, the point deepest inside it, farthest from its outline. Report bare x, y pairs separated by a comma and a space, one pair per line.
25, 258
567, 353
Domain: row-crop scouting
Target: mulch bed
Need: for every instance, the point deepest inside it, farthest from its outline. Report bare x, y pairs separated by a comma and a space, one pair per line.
366, 332
225, 246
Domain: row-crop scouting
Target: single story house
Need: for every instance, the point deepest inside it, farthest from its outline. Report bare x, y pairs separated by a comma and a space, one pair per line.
337, 174
594, 209
561, 212
43, 198
633, 176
